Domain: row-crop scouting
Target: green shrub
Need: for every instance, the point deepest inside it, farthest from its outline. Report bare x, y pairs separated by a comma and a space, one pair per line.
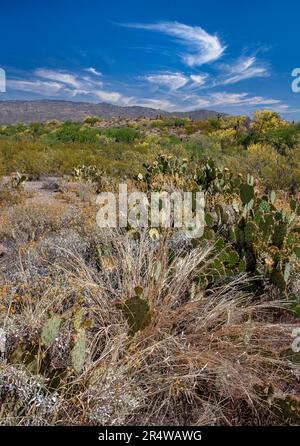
74, 132
125, 135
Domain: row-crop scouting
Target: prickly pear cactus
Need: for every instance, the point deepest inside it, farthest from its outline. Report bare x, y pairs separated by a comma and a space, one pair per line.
266, 225
50, 330
77, 319
250, 231
264, 206
262, 238
277, 278
246, 193
136, 310
78, 352
279, 234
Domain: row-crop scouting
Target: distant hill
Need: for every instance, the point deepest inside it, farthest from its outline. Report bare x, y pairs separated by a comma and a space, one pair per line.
12, 112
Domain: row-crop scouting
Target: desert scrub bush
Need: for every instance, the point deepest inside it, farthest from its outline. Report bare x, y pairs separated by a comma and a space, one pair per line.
74, 132
225, 137
270, 166
63, 157
282, 139
11, 190
90, 174
74, 190
265, 120
274, 170
8, 196
27, 157
125, 135
12, 130
92, 120
170, 122
202, 357
203, 146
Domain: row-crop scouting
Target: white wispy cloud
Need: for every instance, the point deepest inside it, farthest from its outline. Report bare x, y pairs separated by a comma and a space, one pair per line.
112, 97
202, 47
158, 104
172, 81
56, 83
173, 99
238, 99
198, 79
93, 70
244, 68
59, 76
238, 102
36, 86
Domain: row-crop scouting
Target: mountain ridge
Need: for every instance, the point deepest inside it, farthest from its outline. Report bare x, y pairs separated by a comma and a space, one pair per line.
14, 111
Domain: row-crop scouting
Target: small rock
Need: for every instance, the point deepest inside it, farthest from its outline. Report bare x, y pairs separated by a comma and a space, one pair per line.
3, 250
51, 186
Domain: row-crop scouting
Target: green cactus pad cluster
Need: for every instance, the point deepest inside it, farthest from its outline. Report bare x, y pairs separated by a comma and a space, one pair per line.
78, 352
263, 237
136, 310
50, 330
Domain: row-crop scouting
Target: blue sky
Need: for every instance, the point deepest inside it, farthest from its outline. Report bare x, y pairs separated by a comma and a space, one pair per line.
228, 56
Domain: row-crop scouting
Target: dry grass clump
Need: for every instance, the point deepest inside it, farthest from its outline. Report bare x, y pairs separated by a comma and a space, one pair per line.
30, 220
10, 194
200, 357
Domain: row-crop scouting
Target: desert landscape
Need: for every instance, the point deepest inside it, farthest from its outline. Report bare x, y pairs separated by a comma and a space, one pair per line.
140, 325
149, 221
